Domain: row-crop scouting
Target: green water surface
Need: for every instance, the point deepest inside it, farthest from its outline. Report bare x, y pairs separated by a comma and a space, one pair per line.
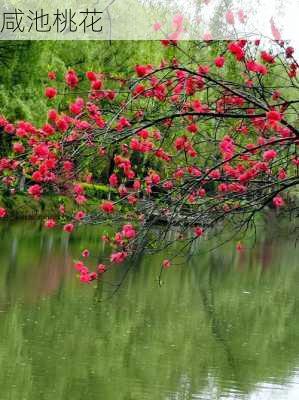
222, 326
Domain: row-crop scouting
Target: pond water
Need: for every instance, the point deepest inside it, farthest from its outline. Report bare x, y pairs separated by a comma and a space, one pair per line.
222, 325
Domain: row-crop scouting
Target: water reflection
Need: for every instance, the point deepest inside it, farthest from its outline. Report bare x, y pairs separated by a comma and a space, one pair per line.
223, 326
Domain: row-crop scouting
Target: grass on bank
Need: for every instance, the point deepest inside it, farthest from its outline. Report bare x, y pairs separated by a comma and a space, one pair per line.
21, 206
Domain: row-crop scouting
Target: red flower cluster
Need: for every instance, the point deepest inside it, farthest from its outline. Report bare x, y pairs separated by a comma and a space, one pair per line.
3, 212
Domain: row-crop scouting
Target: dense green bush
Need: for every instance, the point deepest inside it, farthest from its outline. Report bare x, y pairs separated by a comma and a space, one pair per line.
21, 83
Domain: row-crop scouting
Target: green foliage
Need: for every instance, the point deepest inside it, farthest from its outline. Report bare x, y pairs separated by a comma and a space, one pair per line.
97, 191
24, 67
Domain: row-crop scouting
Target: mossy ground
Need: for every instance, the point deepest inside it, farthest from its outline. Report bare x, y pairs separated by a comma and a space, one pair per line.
21, 206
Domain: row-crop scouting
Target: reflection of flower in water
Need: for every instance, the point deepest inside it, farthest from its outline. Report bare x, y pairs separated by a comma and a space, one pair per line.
267, 250
261, 254
50, 276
